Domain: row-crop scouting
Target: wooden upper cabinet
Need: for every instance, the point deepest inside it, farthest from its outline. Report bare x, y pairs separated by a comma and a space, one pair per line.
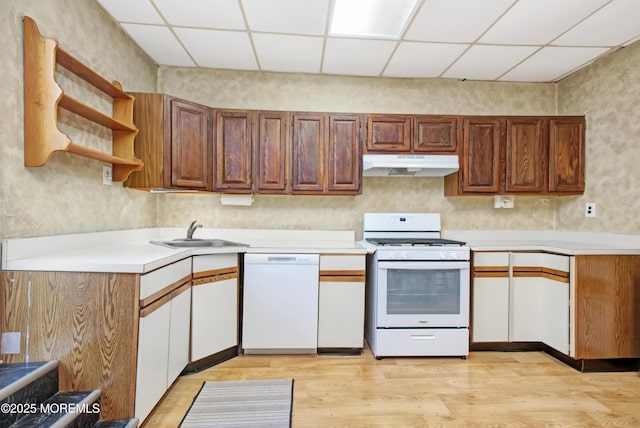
190, 145
435, 134
308, 153
233, 151
566, 154
271, 153
344, 157
526, 155
481, 155
174, 142
388, 133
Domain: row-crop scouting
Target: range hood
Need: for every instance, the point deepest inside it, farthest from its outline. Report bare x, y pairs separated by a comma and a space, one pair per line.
395, 165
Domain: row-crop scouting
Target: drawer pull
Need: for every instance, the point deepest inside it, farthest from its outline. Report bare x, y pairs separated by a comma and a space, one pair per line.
423, 337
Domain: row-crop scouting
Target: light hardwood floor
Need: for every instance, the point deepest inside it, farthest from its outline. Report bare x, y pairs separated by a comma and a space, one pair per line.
489, 389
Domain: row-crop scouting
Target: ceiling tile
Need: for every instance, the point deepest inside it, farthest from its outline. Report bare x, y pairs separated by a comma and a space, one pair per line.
140, 12
483, 62
531, 22
160, 44
288, 53
287, 16
597, 30
356, 57
217, 14
218, 49
461, 21
552, 63
413, 59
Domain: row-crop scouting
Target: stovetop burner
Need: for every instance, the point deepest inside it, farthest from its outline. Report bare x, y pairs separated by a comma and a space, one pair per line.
414, 242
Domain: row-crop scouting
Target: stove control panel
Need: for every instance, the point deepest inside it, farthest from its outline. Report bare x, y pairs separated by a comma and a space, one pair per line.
459, 254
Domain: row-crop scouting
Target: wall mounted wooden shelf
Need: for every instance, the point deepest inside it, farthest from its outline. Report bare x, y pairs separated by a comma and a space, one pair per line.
43, 96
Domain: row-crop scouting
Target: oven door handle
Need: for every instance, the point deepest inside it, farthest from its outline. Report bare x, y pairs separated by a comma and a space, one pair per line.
432, 265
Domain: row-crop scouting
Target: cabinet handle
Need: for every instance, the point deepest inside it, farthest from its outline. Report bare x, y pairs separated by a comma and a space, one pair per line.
423, 337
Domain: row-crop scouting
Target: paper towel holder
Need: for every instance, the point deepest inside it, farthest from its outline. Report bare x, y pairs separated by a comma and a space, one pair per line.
238, 200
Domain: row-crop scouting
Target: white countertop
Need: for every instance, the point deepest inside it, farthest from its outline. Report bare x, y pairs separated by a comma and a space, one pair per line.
130, 251
569, 243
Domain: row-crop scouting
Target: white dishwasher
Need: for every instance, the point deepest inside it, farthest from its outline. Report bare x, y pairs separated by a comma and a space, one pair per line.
280, 303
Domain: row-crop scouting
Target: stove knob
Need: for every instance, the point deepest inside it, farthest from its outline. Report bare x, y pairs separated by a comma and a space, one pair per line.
453, 255
443, 255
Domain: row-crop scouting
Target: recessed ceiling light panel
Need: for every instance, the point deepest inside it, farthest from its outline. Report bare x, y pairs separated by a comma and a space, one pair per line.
371, 18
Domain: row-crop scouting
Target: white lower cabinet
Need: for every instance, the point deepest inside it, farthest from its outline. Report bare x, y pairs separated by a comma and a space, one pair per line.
555, 327
524, 309
163, 332
341, 301
179, 329
521, 297
490, 321
214, 311
153, 359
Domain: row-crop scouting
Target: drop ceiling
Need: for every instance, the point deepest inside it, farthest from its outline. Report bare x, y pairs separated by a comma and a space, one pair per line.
487, 40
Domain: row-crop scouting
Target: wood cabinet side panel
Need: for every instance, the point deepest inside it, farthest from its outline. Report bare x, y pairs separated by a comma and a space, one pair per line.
607, 294
150, 144
87, 321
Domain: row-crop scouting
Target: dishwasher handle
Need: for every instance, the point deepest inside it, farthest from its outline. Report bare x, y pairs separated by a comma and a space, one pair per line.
282, 259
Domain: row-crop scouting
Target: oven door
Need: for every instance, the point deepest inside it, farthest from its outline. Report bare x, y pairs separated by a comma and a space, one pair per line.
423, 294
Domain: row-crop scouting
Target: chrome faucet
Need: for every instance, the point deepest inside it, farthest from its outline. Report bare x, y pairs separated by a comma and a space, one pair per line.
192, 228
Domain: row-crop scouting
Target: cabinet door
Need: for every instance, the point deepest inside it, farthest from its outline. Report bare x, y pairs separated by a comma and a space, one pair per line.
308, 153
525, 312
388, 133
435, 134
490, 308
555, 314
271, 153
481, 155
526, 155
214, 317
179, 332
153, 358
233, 151
190, 145
566, 155
341, 313
344, 154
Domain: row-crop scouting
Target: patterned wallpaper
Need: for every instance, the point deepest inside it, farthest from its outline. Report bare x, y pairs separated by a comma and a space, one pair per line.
608, 93
67, 195
296, 92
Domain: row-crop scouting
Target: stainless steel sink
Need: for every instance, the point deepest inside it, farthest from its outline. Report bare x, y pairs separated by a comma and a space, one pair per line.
198, 243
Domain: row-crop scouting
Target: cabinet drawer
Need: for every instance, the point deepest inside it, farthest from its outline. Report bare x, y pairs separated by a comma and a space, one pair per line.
431, 342
212, 262
499, 261
153, 282
342, 264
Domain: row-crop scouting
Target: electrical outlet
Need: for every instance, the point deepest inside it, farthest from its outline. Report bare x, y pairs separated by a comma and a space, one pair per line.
503, 201
590, 209
106, 175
